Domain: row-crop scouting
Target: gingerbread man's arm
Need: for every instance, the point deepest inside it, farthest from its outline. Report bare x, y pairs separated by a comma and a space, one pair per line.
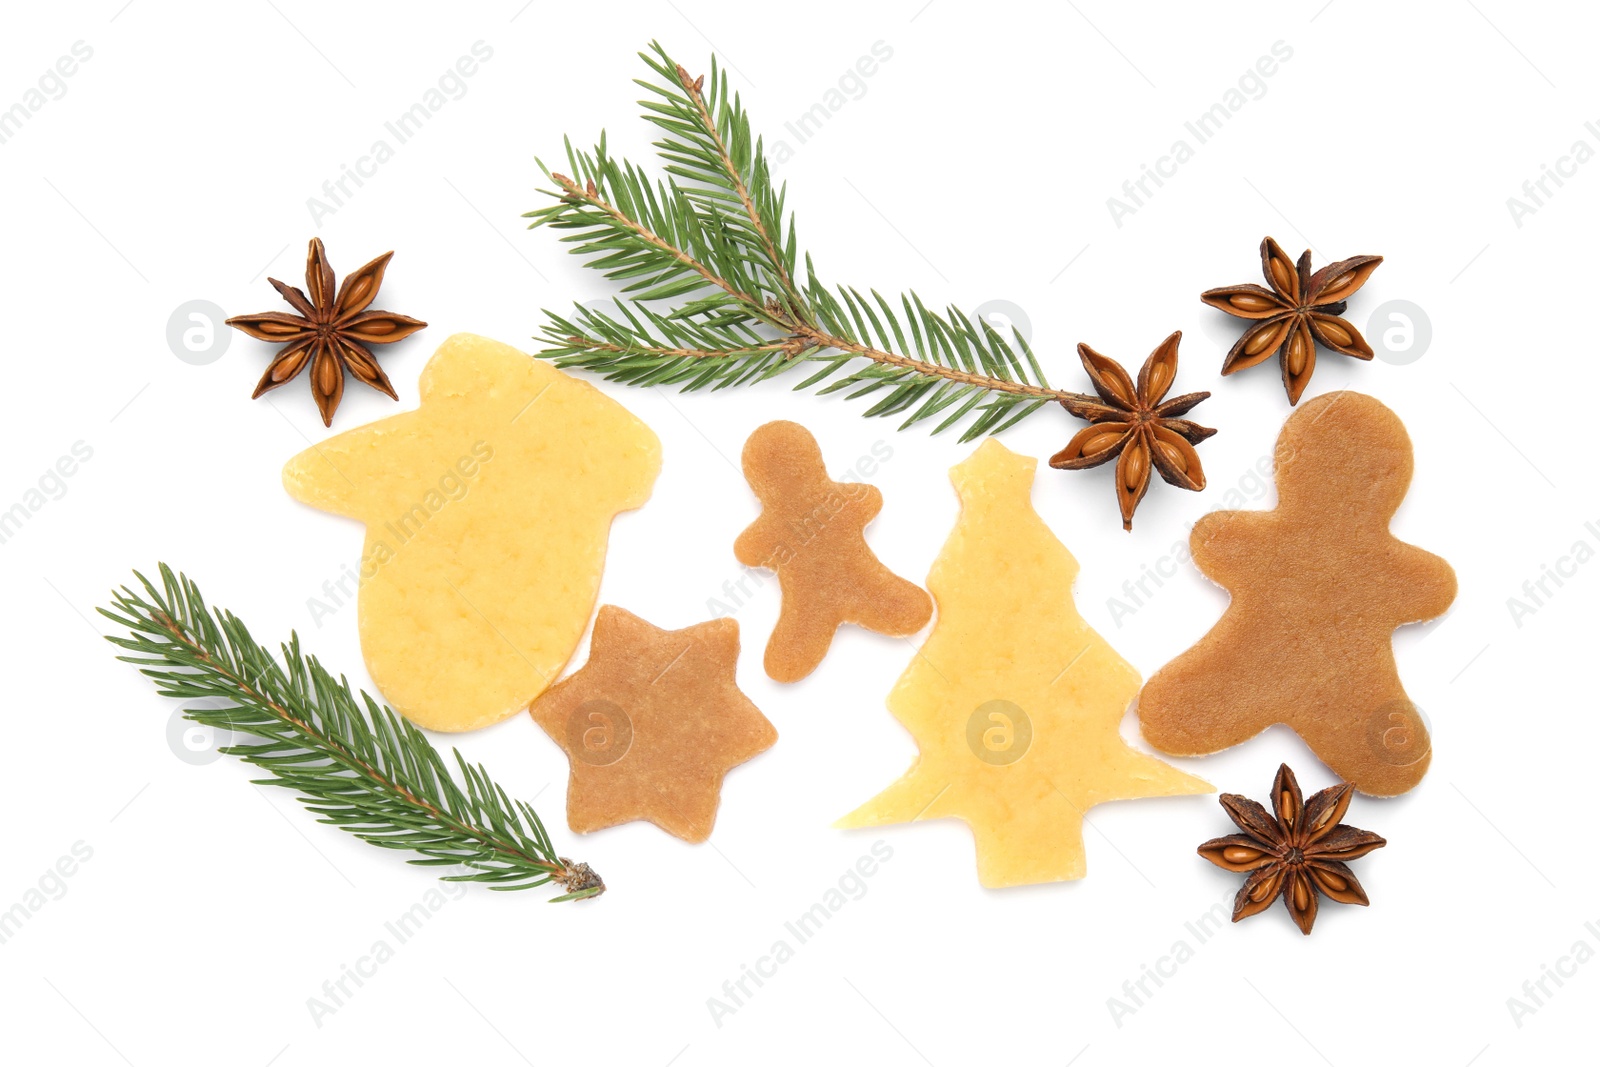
862, 502
761, 543
1224, 542
1428, 584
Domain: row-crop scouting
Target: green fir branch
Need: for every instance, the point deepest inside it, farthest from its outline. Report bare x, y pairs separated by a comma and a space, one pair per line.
356, 764
713, 244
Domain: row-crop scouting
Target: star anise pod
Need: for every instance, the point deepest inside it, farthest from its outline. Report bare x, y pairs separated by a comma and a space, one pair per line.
1299, 307
1297, 850
1135, 427
331, 331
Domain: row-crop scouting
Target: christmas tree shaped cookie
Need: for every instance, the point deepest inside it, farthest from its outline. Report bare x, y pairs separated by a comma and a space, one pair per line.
1319, 586
487, 511
1014, 701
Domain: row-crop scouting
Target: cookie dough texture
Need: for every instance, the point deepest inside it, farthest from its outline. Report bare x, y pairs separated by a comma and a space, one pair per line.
652, 724
1318, 587
812, 534
487, 512
1014, 701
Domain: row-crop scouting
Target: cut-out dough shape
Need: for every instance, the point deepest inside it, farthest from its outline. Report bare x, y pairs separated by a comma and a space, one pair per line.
487, 511
1014, 701
651, 724
811, 533
1319, 586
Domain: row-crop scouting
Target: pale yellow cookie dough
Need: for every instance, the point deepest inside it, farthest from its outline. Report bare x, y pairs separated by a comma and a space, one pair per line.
1014, 701
488, 511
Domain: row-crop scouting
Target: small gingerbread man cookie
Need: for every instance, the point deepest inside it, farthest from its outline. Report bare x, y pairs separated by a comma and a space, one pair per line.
810, 533
1319, 586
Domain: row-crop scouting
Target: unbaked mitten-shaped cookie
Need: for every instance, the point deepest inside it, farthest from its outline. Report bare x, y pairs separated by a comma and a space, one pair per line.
488, 511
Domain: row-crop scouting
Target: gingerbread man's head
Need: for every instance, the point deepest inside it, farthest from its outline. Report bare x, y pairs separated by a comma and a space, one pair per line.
1361, 459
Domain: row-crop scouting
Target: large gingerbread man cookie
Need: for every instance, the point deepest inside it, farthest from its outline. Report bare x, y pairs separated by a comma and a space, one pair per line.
488, 511
1319, 586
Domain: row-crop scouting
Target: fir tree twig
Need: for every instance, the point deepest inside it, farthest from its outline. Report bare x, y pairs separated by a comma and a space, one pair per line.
715, 232
356, 764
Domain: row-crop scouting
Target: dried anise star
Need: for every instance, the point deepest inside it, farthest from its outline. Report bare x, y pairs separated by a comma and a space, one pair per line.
1134, 427
1298, 850
1299, 307
330, 332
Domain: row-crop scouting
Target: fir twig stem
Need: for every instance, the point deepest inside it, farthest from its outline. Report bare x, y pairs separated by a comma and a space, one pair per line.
822, 340
590, 195
696, 89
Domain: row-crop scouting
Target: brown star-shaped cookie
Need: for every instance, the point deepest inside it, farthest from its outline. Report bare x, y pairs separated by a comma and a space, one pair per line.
811, 534
651, 724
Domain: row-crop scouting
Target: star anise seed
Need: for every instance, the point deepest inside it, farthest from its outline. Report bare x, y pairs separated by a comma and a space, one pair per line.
1298, 850
331, 332
1134, 427
1299, 311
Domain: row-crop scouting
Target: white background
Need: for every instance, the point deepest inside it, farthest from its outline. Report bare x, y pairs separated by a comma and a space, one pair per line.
975, 166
